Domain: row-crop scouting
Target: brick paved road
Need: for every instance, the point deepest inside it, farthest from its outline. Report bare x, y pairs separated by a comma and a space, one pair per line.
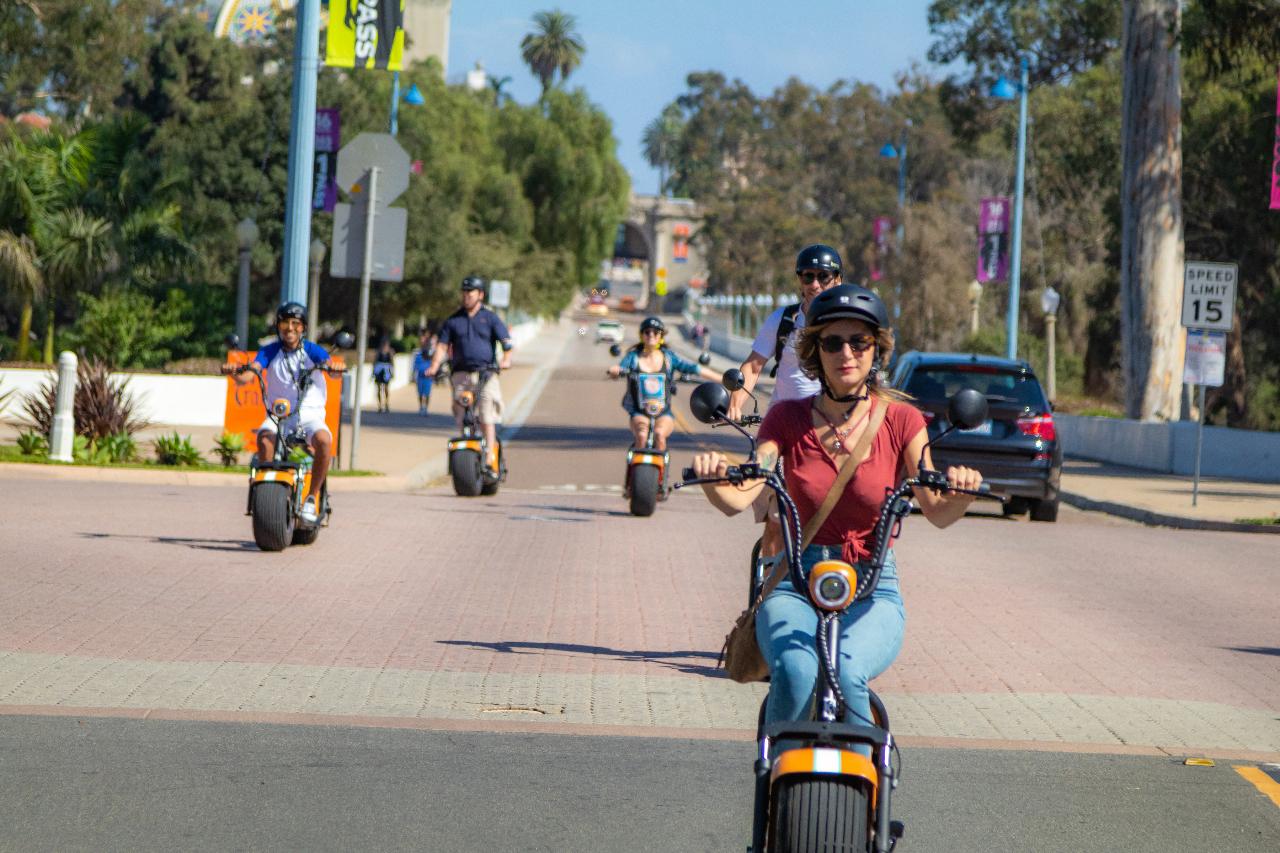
549, 606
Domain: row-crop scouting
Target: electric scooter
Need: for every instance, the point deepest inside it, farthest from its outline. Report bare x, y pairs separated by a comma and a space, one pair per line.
820, 794
469, 455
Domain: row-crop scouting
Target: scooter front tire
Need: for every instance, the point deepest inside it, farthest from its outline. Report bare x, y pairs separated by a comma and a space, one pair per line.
272, 516
644, 489
464, 467
814, 814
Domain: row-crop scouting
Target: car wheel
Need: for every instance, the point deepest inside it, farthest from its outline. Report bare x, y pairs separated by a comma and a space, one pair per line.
1014, 506
1044, 510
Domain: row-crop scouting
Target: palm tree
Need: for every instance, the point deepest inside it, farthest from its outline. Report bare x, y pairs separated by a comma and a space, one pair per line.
78, 252
499, 85
20, 275
552, 47
660, 139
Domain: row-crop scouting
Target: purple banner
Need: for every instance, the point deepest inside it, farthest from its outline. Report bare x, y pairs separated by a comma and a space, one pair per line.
881, 228
1275, 163
328, 140
993, 240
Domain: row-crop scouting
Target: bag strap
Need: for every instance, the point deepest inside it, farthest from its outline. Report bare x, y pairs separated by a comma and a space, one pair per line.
847, 471
786, 324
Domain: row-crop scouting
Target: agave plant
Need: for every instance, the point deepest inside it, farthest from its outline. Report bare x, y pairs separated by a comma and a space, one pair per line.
103, 406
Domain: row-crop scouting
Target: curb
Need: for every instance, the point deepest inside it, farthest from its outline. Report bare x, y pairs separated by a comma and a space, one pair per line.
1157, 519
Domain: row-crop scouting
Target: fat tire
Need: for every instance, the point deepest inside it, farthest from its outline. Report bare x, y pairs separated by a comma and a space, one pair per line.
1044, 510
272, 516
464, 467
644, 489
813, 814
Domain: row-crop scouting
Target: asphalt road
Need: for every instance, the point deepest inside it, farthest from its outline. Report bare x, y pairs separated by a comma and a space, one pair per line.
536, 671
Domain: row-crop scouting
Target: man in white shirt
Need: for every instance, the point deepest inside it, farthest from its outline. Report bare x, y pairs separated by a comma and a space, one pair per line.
818, 268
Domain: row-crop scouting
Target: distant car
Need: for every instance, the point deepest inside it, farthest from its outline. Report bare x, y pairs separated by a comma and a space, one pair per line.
595, 304
627, 304
609, 331
1017, 450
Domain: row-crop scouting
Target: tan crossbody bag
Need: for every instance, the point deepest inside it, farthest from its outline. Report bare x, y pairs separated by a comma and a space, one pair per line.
740, 656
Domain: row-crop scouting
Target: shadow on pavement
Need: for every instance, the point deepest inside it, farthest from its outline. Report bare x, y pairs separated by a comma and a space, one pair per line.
202, 544
580, 437
582, 510
1255, 650
672, 660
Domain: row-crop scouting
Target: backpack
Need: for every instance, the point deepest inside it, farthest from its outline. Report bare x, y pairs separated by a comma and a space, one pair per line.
785, 327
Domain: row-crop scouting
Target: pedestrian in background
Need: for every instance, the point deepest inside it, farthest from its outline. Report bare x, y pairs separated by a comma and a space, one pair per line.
383, 369
421, 362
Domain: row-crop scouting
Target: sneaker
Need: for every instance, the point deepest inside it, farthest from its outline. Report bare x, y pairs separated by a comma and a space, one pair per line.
309, 513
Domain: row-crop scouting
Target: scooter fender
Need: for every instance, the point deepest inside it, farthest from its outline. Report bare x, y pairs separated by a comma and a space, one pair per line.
827, 761
648, 457
464, 444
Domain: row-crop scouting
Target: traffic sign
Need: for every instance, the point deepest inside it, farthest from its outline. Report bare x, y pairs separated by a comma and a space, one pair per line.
1209, 295
1206, 358
366, 151
356, 161
499, 295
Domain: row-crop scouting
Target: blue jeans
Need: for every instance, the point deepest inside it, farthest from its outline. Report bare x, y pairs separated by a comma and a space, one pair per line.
870, 638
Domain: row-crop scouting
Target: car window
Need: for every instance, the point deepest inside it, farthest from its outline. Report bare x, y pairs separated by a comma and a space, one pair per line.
937, 384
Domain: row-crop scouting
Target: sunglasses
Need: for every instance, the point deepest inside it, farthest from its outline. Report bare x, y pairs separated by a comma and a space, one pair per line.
835, 343
290, 324
823, 277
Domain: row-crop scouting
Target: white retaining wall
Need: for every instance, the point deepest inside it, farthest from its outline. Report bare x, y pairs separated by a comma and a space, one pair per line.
201, 400
1171, 447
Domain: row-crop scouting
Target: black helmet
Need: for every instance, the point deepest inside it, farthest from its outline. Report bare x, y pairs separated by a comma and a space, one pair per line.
847, 302
653, 323
473, 282
292, 311
818, 257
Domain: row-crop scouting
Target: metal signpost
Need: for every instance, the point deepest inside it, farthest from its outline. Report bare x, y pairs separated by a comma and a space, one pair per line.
1208, 306
373, 170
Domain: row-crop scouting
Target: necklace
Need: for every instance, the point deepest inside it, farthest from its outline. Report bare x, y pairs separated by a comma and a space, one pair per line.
840, 434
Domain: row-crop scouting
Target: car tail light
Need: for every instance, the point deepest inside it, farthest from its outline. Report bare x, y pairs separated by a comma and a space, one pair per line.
1041, 426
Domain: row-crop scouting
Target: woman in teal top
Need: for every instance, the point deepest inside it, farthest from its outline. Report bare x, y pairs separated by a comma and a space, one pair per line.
649, 395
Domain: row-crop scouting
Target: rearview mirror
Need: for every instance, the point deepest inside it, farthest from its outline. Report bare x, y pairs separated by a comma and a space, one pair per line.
344, 340
704, 359
615, 350
967, 409
732, 379
709, 402
232, 341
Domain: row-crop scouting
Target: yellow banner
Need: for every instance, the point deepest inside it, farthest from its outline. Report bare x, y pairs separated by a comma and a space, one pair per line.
365, 34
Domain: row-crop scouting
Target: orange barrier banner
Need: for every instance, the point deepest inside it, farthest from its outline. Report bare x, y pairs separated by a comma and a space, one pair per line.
246, 412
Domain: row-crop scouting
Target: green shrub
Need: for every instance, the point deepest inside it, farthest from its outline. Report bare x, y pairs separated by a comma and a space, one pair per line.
32, 443
126, 328
175, 449
228, 448
118, 447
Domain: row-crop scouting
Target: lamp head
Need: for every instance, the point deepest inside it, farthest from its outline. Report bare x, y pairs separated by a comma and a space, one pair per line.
246, 233
1003, 89
1049, 300
888, 150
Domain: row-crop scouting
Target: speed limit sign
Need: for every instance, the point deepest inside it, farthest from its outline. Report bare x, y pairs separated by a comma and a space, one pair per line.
1208, 295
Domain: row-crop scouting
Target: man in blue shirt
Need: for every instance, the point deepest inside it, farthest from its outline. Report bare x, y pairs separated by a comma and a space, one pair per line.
467, 339
288, 363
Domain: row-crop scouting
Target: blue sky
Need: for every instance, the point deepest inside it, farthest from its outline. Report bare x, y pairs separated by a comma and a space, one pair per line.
640, 51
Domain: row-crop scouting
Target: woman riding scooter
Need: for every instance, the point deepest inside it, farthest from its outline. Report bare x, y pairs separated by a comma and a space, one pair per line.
844, 346
652, 356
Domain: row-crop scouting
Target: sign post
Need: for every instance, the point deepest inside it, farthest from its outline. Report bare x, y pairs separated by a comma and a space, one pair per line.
373, 170
1208, 307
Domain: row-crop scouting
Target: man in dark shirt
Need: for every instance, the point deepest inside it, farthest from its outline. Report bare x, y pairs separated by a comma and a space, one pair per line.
467, 339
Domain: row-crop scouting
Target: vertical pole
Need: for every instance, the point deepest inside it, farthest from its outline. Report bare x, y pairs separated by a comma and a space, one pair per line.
362, 321
302, 149
62, 438
1050, 328
973, 316
395, 102
1015, 266
242, 300
902, 226
1195, 484
313, 298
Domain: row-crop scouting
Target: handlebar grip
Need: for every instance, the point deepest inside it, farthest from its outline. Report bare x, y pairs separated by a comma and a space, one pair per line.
688, 474
984, 488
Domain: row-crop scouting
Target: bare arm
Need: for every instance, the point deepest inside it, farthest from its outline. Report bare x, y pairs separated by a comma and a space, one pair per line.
946, 508
751, 369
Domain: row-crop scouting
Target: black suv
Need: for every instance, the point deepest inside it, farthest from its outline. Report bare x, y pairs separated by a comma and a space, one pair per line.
1017, 451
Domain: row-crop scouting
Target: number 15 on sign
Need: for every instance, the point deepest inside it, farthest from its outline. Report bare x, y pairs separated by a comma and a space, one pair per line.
1208, 295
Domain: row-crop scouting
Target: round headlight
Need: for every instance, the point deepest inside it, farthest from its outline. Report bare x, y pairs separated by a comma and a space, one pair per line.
832, 584
832, 588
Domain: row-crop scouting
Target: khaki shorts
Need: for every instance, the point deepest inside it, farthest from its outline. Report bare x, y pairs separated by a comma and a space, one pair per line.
489, 398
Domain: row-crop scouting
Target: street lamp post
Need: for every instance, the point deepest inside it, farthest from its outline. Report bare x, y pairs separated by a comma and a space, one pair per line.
899, 153
1049, 301
1004, 90
975, 298
313, 299
246, 237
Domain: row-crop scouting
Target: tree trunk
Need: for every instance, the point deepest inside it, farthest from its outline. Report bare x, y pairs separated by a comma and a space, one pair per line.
1151, 197
24, 331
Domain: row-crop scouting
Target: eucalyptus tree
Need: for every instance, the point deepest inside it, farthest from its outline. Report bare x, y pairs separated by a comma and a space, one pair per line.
552, 47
